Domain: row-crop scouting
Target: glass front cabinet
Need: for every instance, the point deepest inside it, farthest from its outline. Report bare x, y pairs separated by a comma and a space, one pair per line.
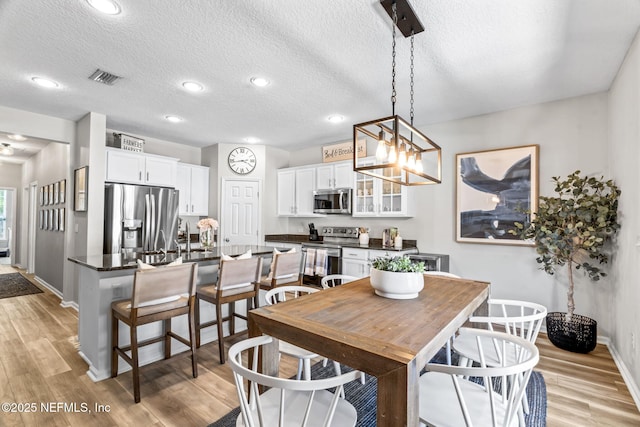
375, 197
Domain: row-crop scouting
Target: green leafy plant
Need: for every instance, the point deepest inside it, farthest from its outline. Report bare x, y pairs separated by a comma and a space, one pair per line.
571, 228
401, 264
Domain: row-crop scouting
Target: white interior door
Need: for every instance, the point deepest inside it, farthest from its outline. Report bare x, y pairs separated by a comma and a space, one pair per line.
240, 212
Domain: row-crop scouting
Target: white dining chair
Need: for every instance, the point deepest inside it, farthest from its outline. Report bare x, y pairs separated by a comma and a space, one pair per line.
284, 293
519, 318
333, 280
451, 276
287, 401
449, 397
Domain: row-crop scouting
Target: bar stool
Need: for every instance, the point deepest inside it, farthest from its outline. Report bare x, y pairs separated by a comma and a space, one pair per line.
159, 294
238, 279
285, 270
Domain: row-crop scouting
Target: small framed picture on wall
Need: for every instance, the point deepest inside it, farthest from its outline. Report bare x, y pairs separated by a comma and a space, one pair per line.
62, 191
61, 219
56, 190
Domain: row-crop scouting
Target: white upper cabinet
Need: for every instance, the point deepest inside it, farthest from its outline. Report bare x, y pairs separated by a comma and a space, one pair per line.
193, 183
305, 184
375, 197
286, 192
138, 168
295, 191
335, 175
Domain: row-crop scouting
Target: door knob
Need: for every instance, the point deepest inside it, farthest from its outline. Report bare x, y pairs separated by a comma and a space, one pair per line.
226, 240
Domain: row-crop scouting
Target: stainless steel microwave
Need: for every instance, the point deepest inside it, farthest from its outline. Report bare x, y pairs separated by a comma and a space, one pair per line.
334, 201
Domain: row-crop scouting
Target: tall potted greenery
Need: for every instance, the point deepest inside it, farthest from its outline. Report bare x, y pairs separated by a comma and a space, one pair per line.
570, 230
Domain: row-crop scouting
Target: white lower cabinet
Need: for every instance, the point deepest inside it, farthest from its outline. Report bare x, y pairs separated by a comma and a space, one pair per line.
357, 262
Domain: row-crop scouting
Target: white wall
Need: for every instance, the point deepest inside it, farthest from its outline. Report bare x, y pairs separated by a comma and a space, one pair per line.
185, 153
572, 134
40, 126
36, 125
624, 136
215, 156
50, 165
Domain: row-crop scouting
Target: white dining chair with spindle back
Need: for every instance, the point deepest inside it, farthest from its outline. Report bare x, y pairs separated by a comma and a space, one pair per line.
281, 294
287, 401
450, 396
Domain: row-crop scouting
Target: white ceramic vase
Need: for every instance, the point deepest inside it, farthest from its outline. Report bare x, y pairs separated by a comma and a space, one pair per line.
363, 239
395, 285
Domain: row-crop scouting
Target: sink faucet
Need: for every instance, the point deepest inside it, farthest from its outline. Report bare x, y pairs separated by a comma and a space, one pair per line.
188, 247
163, 249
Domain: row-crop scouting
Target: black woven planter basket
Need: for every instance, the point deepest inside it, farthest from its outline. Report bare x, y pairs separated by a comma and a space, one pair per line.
578, 336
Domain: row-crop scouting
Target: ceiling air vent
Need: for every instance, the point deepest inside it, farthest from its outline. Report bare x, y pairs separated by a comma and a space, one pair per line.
104, 77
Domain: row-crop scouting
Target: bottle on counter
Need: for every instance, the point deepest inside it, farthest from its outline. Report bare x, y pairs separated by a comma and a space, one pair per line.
397, 242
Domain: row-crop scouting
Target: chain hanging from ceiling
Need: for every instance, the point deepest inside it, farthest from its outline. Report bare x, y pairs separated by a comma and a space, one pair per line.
404, 155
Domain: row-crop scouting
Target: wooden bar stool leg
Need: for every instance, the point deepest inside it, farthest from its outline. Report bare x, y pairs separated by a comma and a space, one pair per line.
196, 315
192, 341
220, 322
232, 317
134, 360
114, 345
167, 338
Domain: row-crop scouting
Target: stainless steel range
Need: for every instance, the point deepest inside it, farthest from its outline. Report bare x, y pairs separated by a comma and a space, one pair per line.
333, 238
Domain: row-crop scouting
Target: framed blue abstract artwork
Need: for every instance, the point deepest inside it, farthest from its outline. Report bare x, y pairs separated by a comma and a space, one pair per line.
494, 190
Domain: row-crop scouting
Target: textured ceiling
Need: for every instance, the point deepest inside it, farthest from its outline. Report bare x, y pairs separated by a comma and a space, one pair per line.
322, 58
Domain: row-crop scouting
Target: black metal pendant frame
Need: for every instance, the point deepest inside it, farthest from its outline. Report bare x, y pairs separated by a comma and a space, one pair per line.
408, 21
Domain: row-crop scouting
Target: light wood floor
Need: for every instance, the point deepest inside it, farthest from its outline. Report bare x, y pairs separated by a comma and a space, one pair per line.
39, 364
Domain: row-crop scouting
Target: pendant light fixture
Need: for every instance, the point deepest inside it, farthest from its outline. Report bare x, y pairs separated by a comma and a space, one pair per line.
404, 155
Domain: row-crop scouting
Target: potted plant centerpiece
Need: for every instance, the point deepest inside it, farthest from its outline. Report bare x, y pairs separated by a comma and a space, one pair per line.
571, 230
397, 277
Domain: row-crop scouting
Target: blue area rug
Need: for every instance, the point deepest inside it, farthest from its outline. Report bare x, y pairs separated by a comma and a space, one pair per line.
363, 397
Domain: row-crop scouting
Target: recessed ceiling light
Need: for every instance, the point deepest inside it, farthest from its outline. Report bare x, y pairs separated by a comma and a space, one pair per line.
173, 119
41, 81
259, 81
108, 7
17, 137
335, 118
251, 140
192, 86
6, 150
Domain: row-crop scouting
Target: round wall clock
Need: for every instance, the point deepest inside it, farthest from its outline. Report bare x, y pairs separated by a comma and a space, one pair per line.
242, 160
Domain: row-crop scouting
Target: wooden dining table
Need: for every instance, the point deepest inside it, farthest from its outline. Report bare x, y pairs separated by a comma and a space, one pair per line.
387, 338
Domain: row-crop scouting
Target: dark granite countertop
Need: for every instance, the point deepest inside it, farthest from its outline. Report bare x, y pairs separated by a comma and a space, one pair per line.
374, 244
120, 262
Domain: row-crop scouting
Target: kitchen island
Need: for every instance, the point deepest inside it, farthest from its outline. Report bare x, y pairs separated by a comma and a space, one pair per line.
105, 278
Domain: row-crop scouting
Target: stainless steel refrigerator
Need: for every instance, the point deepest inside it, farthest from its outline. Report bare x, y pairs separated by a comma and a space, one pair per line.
139, 218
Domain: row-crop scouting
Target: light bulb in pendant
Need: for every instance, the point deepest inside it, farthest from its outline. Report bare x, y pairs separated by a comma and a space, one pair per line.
402, 156
392, 154
381, 151
411, 159
419, 167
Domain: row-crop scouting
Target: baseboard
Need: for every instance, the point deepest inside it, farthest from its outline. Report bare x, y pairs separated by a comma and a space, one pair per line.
70, 304
63, 303
48, 286
626, 374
